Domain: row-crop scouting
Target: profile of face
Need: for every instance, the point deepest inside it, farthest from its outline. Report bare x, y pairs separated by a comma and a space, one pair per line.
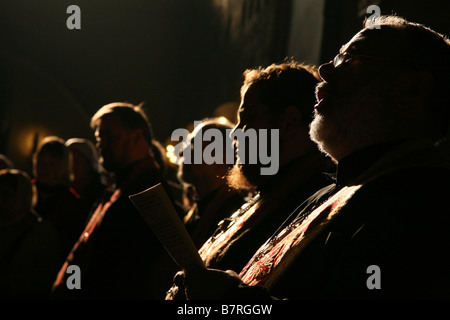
354, 99
197, 172
253, 113
190, 172
114, 143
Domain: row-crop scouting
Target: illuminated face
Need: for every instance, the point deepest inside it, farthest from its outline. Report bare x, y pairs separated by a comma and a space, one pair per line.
354, 99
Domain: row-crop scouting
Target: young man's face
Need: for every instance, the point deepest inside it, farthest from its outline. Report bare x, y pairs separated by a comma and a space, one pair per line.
114, 143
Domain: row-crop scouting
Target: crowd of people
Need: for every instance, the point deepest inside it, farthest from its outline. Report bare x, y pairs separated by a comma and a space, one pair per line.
362, 183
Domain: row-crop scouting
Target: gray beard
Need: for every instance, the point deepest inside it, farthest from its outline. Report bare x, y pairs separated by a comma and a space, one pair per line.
353, 124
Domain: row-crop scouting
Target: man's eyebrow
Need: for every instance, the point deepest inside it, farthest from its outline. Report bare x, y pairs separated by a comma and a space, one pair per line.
350, 48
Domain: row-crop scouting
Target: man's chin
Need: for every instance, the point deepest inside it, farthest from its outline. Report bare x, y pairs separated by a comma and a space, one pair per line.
321, 132
318, 128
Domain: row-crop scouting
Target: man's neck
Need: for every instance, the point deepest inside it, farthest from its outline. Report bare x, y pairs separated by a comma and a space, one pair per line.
354, 164
208, 186
294, 165
126, 170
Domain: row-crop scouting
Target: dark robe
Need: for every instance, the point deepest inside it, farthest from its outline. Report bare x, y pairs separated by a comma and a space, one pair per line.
389, 239
206, 213
245, 231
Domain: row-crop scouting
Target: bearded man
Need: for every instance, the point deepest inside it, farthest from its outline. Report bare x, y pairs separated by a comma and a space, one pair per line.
279, 97
382, 230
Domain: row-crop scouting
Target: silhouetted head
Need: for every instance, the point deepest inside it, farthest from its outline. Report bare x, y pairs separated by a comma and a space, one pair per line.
123, 135
388, 82
206, 177
281, 97
52, 164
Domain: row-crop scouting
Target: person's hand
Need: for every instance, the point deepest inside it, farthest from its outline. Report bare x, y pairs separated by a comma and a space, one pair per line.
208, 284
177, 291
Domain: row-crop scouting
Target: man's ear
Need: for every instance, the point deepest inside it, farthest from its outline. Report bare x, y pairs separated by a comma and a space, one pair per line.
290, 120
414, 87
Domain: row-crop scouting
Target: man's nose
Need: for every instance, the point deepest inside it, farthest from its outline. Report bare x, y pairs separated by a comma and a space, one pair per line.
326, 71
239, 126
233, 136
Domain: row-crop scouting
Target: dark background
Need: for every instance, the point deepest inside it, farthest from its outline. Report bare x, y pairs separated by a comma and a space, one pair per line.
184, 59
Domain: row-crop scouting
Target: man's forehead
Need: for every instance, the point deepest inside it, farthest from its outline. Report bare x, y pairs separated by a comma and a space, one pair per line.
371, 42
108, 123
109, 120
355, 43
250, 96
196, 131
